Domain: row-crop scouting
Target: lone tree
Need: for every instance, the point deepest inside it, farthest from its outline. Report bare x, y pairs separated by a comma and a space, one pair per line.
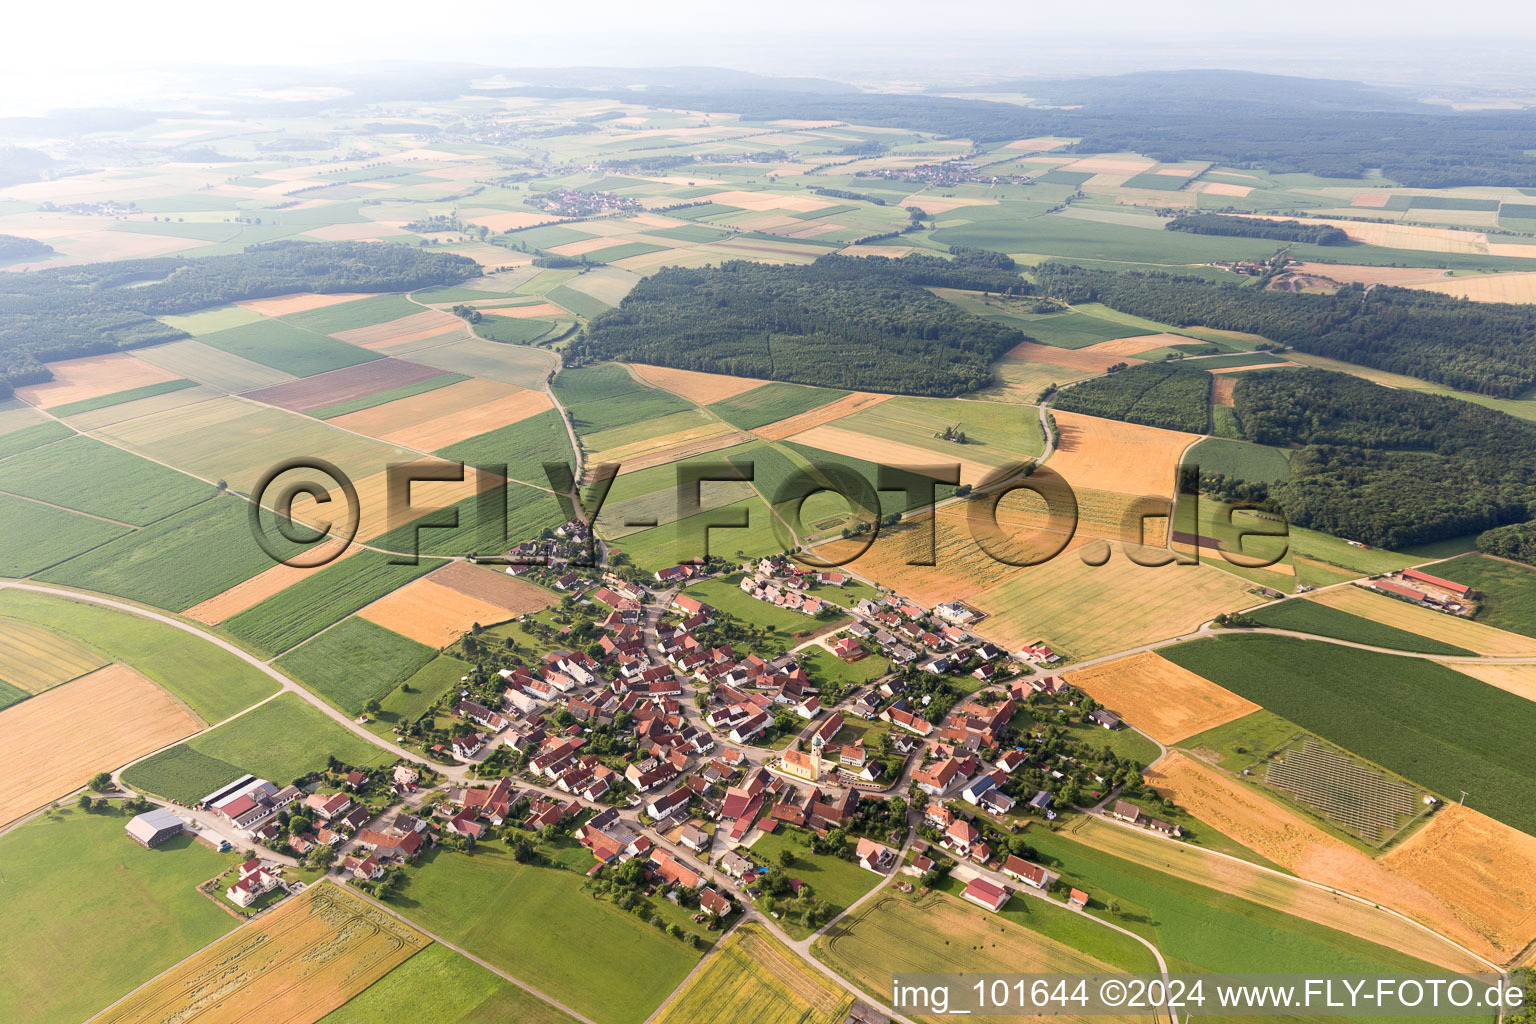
101, 782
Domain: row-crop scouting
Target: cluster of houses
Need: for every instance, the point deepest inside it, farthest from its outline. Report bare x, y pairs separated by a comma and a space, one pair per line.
1128, 812
1427, 590
614, 840
783, 584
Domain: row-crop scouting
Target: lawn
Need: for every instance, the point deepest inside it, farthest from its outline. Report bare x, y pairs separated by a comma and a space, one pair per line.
284, 347
355, 662
281, 740
80, 892
834, 880
726, 595
771, 403
411, 699
539, 924
1437, 727
38, 536
322, 598
1310, 617
212, 682
1509, 590
823, 667
175, 563
438, 986
98, 479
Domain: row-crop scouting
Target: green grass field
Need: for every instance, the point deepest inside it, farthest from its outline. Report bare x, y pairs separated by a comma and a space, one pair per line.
523, 447
837, 881
592, 383
1435, 726
725, 595
152, 565
1310, 617
538, 924
1069, 330
1509, 590
281, 740
212, 682
438, 986
480, 527
284, 347
637, 407
120, 397
412, 698
24, 440
81, 892
320, 599
355, 662
772, 402
11, 695
824, 666
1256, 462
345, 316
511, 330
92, 477
38, 536
578, 302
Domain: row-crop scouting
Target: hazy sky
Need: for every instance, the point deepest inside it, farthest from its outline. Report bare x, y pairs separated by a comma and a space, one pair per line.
71, 51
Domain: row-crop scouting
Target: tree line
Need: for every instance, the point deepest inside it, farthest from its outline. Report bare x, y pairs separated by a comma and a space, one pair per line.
69, 312
864, 323
1258, 227
1487, 347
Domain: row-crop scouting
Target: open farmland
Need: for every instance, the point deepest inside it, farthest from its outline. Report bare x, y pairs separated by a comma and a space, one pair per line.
424, 323
95, 478
57, 740
436, 610
1439, 628
1323, 617
320, 599
212, 682
1508, 590
611, 966
1158, 697
36, 658
941, 934
522, 365
438, 986
211, 366
703, 388
1455, 904
1455, 734
258, 588
344, 385
523, 447
355, 662
1113, 456
40, 535
75, 380
310, 955
761, 405
753, 979
79, 889
815, 416
1517, 679
276, 344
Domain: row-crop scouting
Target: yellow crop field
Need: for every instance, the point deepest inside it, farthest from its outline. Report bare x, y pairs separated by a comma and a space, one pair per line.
1163, 700
1517, 679
292, 966
1518, 287
56, 741
703, 388
75, 380
1452, 629
1114, 456
753, 979
35, 658
262, 586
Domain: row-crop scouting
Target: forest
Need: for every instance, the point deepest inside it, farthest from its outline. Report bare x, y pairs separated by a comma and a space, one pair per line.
1283, 125
1384, 466
862, 323
1487, 347
78, 311
14, 247
1168, 395
1258, 227
1516, 541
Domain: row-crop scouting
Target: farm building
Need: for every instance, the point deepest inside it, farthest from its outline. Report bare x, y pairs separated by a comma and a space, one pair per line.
1030, 874
1459, 589
984, 894
152, 828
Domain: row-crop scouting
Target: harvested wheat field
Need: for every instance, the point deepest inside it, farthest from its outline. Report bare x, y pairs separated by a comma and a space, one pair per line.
1519, 287
1349, 273
300, 302
1518, 250
445, 416
526, 311
293, 966
1452, 629
376, 513
648, 451
437, 613
1220, 188
75, 380
34, 658
1222, 389
1137, 345
703, 388
1517, 679
845, 406
1486, 914
426, 324
1223, 371
1270, 889
1113, 456
1163, 700
1404, 236
55, 742
1075, 358
264, 585
1374, 200
1126, 165
832, 438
